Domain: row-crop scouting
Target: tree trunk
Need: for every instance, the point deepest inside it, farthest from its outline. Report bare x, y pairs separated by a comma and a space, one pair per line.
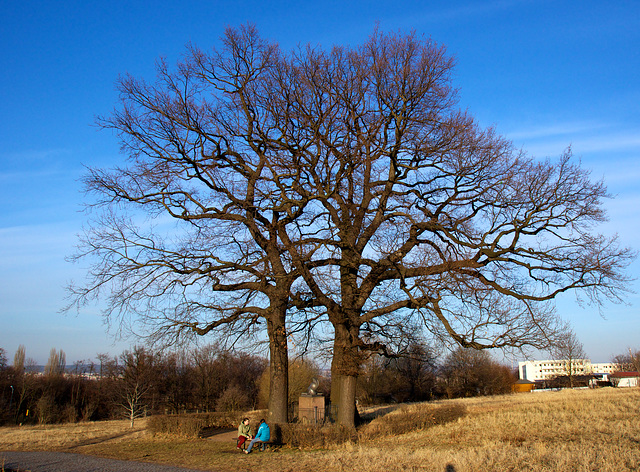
344, 374
278, 368
347, 405
336, 376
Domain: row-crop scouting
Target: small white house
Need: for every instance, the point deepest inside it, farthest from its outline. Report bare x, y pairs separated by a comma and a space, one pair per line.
624, 379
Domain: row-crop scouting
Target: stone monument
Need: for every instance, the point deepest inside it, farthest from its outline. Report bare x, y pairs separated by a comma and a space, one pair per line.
311, 405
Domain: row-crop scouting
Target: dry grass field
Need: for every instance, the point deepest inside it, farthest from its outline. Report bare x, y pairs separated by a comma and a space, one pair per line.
579, 430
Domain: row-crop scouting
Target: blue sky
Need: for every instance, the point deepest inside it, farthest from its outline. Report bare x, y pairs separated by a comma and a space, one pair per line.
546, 74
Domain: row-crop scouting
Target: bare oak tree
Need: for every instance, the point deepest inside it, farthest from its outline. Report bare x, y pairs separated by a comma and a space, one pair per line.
417, 209
194, 159
344, 180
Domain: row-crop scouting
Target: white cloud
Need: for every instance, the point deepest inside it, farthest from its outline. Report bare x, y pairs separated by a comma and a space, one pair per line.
471, 10
556, 129
611, 152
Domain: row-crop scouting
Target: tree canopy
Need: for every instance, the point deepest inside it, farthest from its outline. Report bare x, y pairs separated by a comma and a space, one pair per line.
347, 181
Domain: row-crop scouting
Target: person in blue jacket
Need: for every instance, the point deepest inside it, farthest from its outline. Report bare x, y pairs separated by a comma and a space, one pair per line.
262, 436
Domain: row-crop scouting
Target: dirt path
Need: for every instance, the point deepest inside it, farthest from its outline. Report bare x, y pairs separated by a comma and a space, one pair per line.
228, 436
70, 462
43, 461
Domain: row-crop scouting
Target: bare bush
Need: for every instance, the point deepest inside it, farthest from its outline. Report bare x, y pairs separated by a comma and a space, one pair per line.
46, 409
305, 436
232, 399
470, 373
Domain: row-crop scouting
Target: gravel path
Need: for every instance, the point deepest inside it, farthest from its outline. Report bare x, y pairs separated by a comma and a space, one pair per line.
69, 462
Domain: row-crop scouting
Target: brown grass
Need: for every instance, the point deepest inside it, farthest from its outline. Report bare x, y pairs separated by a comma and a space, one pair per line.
193, 425
69, 436
412, 418
581, 430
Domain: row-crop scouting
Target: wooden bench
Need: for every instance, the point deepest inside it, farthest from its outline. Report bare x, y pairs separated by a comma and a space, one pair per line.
271, 444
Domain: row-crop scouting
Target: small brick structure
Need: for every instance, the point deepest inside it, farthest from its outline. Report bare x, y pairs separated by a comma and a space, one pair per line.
311, 408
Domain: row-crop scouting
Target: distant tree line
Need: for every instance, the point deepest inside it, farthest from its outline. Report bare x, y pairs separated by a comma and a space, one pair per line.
141, 381
135, 383
418, 376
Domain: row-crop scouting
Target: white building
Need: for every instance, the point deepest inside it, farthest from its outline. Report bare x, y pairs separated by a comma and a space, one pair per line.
605, 368
548, 369
625, 379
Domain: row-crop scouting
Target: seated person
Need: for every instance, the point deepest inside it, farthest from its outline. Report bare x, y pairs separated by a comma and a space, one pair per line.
244, 433
262, 436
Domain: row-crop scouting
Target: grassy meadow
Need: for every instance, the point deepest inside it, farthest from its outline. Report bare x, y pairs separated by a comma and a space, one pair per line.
569, 430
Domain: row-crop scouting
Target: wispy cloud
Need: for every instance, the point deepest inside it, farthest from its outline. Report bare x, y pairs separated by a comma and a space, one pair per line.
34, 155
473, 9
28, 246
609, 151
584, 138
454, 14
32, 174
44, 154
37, 164
557, 129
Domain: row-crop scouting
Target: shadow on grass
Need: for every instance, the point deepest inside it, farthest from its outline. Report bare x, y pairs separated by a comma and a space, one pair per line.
213, 431
369, 416
101, 439
6, 469
408, 419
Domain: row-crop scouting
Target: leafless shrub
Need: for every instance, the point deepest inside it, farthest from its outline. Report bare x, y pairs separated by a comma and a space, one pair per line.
69, 414
46, 409
232, 399
88, 410
316, 436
